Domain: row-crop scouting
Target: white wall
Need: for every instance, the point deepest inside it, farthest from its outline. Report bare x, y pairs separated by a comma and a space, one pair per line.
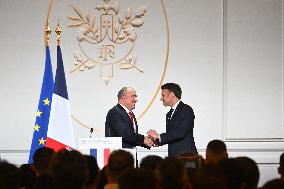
226, 55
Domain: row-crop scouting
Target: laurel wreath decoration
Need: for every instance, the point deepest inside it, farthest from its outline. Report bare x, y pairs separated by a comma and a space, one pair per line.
108, 31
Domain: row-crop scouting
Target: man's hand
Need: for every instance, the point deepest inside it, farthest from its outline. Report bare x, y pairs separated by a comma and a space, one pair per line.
154, 136
148, 142
153, 133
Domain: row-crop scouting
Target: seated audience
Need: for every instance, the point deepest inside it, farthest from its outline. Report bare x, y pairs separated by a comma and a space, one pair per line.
192, 164
274, 184
137, 179
216, 150
170, 174
69, 169
93, 170
101, 180
281, 166
150, 162
233, 172
41, 160
44, 181
251, 172
10, 176
27, 176
119, 161
209, 176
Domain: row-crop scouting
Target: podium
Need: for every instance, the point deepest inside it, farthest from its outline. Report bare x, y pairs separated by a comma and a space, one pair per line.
101, 147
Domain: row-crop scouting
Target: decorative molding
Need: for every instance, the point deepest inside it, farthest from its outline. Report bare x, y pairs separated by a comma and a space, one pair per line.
223, 74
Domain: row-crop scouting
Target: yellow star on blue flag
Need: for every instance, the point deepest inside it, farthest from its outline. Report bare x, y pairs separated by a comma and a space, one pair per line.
43, 111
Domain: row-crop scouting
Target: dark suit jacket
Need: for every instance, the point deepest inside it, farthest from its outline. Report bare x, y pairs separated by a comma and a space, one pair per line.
179, 131
118, 124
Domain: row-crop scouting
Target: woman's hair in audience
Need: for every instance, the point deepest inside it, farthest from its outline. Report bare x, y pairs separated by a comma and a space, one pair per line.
251, 172
119, 161
150, 162
210, 176
233, 172
101, 180
93, 169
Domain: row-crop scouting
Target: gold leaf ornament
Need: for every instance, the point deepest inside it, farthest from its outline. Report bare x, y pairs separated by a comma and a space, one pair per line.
88, 17
125, 65
132, 37
137, 22
76, 25
121, 20
115, 7
77, 10
128, 14
74, 18
93, 22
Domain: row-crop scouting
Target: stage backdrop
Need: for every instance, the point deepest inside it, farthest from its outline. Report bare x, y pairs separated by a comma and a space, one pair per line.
227, 56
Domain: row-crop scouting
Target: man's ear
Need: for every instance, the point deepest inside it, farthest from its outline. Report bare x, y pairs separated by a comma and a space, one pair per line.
279, 170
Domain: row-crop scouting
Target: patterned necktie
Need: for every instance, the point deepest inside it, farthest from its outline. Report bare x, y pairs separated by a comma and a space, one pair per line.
131, 118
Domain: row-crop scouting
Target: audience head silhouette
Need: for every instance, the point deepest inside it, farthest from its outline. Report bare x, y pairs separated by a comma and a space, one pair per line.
69, 169
216, 150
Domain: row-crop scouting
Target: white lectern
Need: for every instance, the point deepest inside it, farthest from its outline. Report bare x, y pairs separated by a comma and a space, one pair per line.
101, 147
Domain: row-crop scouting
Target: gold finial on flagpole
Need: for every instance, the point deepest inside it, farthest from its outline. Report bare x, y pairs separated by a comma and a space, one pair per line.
58, 31
47, 32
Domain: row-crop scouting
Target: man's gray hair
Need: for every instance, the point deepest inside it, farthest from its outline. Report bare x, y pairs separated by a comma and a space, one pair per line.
122, 92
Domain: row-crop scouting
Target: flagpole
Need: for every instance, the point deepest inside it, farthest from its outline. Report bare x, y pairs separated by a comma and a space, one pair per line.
47, 28
58, 31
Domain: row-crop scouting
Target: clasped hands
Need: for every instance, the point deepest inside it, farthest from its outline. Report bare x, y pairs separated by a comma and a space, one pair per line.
152, 139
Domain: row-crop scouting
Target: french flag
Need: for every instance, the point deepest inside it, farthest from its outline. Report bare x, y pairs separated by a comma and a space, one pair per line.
102, 156
60, 134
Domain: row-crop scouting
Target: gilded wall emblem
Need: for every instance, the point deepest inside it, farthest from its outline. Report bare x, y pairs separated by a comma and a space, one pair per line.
107, 38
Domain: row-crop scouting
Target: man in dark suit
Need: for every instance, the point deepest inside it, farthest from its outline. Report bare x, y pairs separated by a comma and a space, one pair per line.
179, 123
121, 122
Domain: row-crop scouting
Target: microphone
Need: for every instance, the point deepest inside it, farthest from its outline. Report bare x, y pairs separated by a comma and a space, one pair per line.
91, 131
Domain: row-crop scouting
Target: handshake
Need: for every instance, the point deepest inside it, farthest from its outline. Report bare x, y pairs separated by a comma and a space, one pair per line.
152, 139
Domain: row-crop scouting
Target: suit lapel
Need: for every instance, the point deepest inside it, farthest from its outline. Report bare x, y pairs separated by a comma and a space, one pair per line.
125, 114
177, 109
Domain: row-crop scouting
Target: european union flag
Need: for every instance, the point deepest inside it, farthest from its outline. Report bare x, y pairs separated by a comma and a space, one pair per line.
43, 111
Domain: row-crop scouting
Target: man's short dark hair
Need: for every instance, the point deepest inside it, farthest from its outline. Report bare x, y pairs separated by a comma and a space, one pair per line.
41, 158
281, 162
173, 87
217, 146
274, 184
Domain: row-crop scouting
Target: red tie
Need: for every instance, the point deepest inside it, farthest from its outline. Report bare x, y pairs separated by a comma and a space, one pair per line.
131, 118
